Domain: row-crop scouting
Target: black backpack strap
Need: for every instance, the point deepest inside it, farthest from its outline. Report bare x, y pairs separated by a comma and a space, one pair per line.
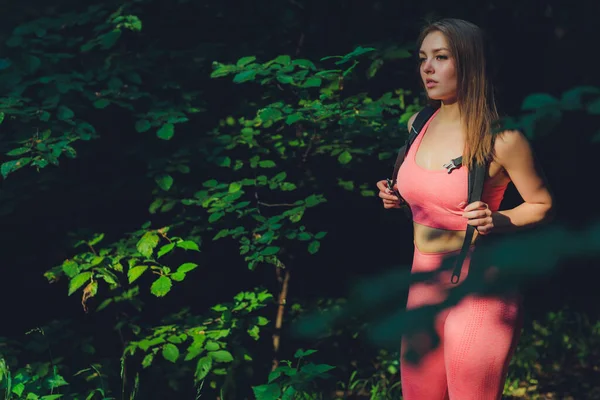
420, 120
476, 178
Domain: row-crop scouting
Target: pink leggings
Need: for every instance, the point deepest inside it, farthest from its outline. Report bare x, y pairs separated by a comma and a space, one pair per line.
478, 338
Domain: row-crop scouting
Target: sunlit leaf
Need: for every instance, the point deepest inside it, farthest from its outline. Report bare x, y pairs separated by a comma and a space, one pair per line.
203, 368
78, 281
135, 272
164, 181
170, 352
161, 286
221, 356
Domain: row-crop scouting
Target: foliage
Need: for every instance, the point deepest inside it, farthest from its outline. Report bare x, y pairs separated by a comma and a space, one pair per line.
253, 178
290, 382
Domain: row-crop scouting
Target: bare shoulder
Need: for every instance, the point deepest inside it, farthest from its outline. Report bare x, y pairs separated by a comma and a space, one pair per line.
411, 120
511, 144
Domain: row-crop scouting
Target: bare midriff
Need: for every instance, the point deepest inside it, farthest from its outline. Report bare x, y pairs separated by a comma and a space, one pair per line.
435, 240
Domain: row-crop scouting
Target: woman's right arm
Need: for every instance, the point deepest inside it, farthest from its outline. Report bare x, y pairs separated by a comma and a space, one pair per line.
390, 200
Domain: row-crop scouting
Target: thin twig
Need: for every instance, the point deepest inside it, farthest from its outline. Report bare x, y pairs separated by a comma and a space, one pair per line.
280, 311
277, 205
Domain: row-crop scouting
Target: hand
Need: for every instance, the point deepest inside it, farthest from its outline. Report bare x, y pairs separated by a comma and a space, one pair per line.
389, 200
480, 216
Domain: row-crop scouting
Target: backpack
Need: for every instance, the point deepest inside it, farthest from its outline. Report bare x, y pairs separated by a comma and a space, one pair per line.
475, 182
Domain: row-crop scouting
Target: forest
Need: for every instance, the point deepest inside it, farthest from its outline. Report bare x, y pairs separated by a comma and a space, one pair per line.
189, 205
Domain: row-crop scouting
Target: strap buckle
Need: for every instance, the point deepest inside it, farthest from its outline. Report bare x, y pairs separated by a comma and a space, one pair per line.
450, 166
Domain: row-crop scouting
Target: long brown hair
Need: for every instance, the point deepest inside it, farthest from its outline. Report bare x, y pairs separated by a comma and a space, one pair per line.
475, 92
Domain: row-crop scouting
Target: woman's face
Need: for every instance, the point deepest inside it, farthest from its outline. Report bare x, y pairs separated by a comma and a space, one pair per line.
438, 68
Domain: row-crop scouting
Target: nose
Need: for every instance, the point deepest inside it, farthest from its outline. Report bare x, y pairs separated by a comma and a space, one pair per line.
427, 66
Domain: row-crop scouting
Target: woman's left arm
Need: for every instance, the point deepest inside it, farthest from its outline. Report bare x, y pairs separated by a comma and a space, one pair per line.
514, 154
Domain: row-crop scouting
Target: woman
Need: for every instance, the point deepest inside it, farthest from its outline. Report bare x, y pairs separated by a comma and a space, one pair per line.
479, 334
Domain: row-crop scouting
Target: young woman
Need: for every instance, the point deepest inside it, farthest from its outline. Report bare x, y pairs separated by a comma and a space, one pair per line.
479, 334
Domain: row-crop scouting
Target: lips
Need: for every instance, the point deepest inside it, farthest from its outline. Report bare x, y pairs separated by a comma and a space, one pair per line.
429, 83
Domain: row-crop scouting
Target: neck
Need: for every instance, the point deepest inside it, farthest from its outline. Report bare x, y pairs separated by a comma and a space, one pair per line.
450, 112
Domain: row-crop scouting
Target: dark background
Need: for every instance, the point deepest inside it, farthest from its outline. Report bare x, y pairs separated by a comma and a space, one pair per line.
539, 46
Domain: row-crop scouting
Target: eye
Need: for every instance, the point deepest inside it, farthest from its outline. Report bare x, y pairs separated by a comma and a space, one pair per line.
421, 60
441, 57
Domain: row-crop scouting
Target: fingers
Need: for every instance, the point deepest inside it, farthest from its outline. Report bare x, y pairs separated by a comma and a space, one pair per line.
382, 185
478, 214
389, 200
388, 196
475, 206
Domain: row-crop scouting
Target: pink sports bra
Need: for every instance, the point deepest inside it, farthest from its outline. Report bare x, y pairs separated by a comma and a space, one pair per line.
436, 198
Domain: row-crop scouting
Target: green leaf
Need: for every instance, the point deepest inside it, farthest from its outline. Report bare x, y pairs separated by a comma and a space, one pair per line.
374, 67
313, 200
135, 272
170, 352
269, 114
313, 247
285, 78
164, 181
283, 59
161, 286
85, 130
313, 81
1, 117
292, 118
64, 113
538, 100
212, 346
269, 251
266, 164
147, 244
177, 276
166, 131
289, 394
304, 64
320, 235
70, 268
210, 183
235, 187
115, 83
301, 353
188, 245
51, 397
222, 233
267, 392
316, 370
345, 157
19, 151
215, 216
8, 167
357, 52
78, 281
224, 162
203, 368
221, 356
101, 103
167, 248
142, 125
109, 39
244, 76
56, 381
572, 99
187, 267
245, 60
304, 236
